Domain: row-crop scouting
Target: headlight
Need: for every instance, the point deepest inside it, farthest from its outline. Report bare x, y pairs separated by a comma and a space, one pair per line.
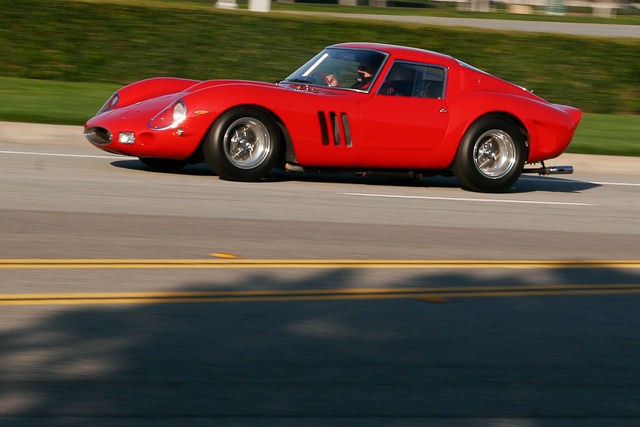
111, 102
126, 138
170, 117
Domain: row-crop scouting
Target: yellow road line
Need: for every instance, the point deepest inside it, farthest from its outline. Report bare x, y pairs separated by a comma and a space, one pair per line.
313, 295
417, 290
223, 255
301, 263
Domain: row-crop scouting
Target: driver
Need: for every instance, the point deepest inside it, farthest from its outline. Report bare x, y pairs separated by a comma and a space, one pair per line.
364, 74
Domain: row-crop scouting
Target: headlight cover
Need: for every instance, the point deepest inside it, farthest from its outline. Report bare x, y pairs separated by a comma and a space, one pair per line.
111, 102
170, 117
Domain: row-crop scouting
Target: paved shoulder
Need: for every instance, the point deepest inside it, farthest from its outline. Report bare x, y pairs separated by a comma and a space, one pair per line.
33, 133
600, 30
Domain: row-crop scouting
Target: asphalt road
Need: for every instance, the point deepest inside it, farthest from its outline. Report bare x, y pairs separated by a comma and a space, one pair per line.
131, 297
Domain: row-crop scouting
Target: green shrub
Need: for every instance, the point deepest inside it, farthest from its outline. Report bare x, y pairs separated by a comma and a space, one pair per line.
119, 43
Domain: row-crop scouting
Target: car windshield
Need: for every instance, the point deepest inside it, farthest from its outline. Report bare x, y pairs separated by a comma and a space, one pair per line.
341, 68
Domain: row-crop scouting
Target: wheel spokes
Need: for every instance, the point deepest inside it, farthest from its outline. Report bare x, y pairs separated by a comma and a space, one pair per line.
494, 154
247, 142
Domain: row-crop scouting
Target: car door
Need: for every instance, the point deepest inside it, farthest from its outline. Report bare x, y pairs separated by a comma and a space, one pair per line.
322, 124
408, 112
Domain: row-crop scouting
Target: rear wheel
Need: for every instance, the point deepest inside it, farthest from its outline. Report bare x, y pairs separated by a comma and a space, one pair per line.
242, 145
491, 155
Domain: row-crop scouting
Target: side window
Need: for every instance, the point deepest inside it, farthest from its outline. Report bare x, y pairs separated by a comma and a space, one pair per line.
414, 80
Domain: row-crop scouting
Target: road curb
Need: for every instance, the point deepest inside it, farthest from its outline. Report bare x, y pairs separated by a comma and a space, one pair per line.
44, 134
604, 165
36, 133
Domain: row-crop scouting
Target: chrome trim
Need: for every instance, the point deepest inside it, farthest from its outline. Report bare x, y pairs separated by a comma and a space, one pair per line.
346, 130
104, 108
559, 170
550, 170
424, 64
175, 123
247, 143
98, 135
333, 118
494, 154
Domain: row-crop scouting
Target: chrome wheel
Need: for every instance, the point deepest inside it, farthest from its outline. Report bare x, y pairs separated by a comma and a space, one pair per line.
494, 154
247, 143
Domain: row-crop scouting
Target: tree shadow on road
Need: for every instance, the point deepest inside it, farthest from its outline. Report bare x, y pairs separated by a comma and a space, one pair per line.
485, 357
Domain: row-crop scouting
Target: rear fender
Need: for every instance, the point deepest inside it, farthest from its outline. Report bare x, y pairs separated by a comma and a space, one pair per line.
545, 126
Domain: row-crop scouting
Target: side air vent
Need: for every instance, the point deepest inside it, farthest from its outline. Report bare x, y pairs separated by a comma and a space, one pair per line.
336, 128
323, 128
346, 129
338, 133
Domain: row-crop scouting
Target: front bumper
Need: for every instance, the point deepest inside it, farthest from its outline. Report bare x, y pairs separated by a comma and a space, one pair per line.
119, 133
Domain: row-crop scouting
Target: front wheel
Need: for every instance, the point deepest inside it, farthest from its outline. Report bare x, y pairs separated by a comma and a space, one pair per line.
242, 144
491, 155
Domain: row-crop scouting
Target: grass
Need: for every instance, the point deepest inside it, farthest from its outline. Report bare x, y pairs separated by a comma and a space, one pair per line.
45, 101
51, 48
611, 134
124, 41
42, 101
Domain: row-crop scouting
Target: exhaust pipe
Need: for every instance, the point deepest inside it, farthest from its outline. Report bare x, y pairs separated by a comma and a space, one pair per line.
551, 170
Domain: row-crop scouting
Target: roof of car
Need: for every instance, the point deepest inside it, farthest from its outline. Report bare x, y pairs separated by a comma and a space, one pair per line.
404, 53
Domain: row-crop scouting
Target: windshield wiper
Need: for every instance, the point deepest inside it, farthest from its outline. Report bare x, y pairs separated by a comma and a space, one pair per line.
299, 81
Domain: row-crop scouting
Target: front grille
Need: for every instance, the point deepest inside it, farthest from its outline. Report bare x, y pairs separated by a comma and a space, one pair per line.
98, 135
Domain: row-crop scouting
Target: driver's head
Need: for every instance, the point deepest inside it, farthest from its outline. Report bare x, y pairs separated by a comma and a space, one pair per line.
369, 62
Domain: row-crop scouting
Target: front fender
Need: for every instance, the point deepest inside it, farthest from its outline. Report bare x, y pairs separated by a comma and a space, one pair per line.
295, 111
151, 88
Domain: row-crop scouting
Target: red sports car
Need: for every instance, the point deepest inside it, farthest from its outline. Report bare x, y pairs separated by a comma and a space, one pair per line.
361, 107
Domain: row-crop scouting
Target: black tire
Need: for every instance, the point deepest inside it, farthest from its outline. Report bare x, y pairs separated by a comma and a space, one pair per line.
242, 145
163, 165
491, 155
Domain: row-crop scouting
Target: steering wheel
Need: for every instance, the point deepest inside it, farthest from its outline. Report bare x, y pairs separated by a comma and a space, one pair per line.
323, 76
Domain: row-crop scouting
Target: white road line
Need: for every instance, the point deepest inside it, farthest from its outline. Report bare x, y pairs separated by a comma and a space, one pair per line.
87, 156
629, 184
464, 199
67, 155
